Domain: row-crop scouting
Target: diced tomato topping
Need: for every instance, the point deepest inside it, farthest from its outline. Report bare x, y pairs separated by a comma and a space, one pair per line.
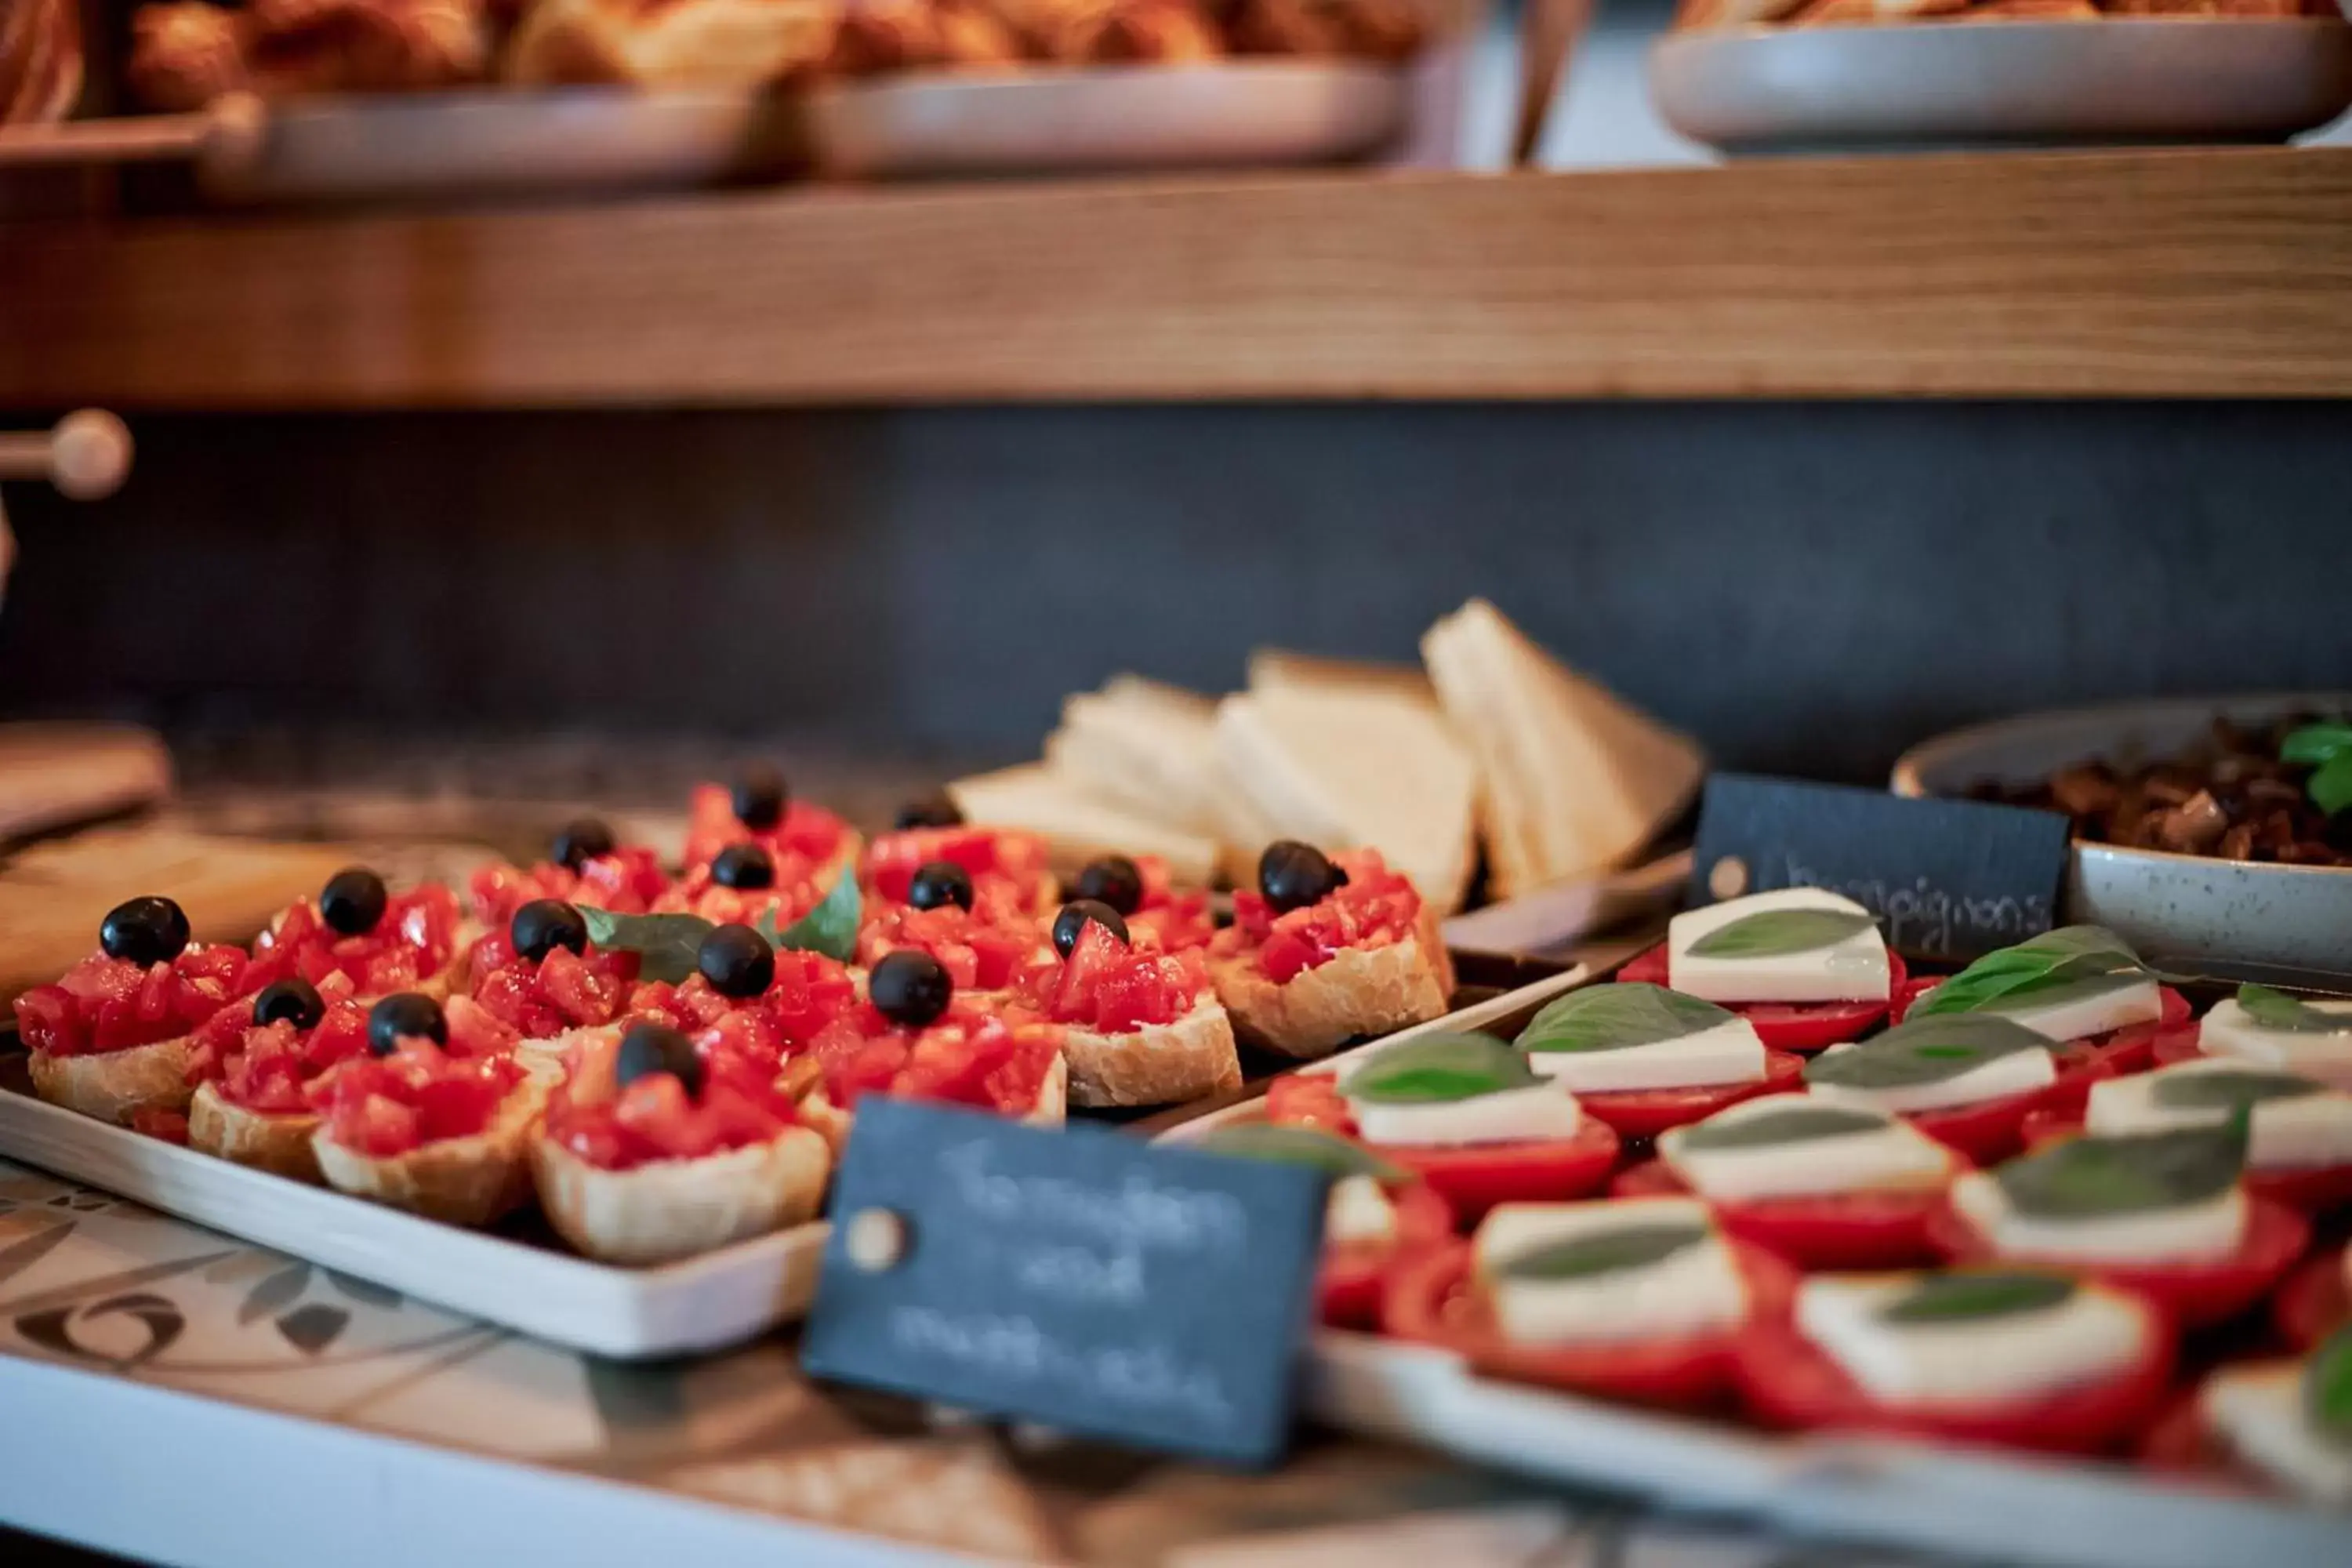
383, 1106
799, 887
965, 1057
1111, 988
110, 1003
1175, 920
979, 954
626, 882
1375, 907
809, 833
1010, 874
170, 1126
619, 1129
412, 943
809, 992
269, 1068
562, 992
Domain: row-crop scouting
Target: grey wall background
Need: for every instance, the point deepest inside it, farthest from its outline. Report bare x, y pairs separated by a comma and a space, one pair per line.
1809, 588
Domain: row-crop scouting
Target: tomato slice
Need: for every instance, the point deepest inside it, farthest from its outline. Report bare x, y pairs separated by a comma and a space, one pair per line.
1347, 1290
2196, 1294
1787, 1381
1789, 1025
1989, 1130
2315, 1301
1828, 1230
1430, 1300
1646, 1113
1475, 1178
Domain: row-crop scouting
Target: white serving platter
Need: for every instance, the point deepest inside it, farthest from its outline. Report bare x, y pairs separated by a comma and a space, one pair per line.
1565, 912
697, 1304
1978, 84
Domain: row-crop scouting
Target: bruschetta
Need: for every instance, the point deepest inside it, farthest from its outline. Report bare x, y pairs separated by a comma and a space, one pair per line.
1143, 1027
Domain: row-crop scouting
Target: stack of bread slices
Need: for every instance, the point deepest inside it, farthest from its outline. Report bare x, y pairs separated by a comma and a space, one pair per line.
1494, 741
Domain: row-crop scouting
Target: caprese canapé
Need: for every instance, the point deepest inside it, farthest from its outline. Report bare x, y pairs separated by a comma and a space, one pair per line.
2299, 1147
1643, 1059
2262, 1027
2290, 1421
1968, 1080
1806, 968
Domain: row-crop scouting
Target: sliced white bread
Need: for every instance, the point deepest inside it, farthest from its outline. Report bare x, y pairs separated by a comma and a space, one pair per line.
1158, 1064
1077, 825
1355, 765
1358, 993
1148, 748
114, 1086
674, 1208
1572, 780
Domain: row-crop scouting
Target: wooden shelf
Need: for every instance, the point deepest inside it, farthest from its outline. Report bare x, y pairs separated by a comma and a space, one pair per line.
2181, 274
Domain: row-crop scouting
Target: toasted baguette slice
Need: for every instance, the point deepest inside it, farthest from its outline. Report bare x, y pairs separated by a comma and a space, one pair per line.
1360, 991
1052, 1109
1158, 1064
676, 1208
113, 1086
465, 1181
1573, 781
1077, 824
278, 1144
1371, 765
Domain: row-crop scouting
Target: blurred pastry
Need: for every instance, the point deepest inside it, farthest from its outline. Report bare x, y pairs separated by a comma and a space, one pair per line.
673, 43
1863, 13
1693, 15
363, 46
1136, 32
40, 60
1373, 30
2029, 11
2204, 7
886, 35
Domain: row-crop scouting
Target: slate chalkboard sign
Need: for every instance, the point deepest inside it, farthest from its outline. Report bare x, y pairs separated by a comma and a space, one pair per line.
1080, 1278
1947, 879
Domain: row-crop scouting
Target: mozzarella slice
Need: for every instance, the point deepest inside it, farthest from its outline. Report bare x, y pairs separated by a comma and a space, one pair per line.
1357, 1211
2227, 1031
2297, 1133
2018, 1072
1854, 969
2259, 1412
1507, 1116
2080, 1008
1695, 1291
1728, 1053
2192, 1232
1892, 1156
2092, 1335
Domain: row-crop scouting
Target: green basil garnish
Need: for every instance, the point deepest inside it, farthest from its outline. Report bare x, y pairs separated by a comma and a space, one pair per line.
2035, 967
665, 944
2087, 1178
1615, 1018
2328, 1388
1435, 1068
1970, 1296
2276, 1010
2226, 1088
1922, 1050
1798, 1124
1768, 934
830, 929
1606, 1252
1301, 1146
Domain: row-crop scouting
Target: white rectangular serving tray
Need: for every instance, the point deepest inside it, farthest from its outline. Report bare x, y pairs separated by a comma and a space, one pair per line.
697, 1304
2072, 1513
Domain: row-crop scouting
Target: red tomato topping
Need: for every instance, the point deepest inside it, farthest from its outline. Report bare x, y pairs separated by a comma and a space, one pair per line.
562, 992
798, 888
413, 942
1111, 988
653, 1118
808, 835
966, 1057
1010, 875
269, 1068
1829, 1230
979, 954
809, 992
626, 882
1433, 1300
2194, 1293
383, 1106
170, 1126
1646, 1113
2316, 1300
1354, 1273
1177, 922
111, 1003
1789, 1025
1375, 907
1788, 1380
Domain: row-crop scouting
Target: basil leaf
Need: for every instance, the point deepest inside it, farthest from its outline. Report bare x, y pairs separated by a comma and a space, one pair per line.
1922, 1050
2032, 969
2330, 788
1609, 1252
830, 929
2085, 1178
2226, 1089
1614, 1018
1971, 1296
1439, 1067
1768, 934
1302, 1146
665, 944
2276, 1010
2315, 746
2328, 1388
1782, 1124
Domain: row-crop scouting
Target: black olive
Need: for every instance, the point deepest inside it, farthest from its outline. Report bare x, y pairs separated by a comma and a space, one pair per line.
760, 799
650, 1048
938, 882
1115, 880
736, 961
579, 841
1294, 875
145, 930
1072, 922
354, 900
543, 925
293, 1000
931, 811
743, 866
405, 1015
910, 987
